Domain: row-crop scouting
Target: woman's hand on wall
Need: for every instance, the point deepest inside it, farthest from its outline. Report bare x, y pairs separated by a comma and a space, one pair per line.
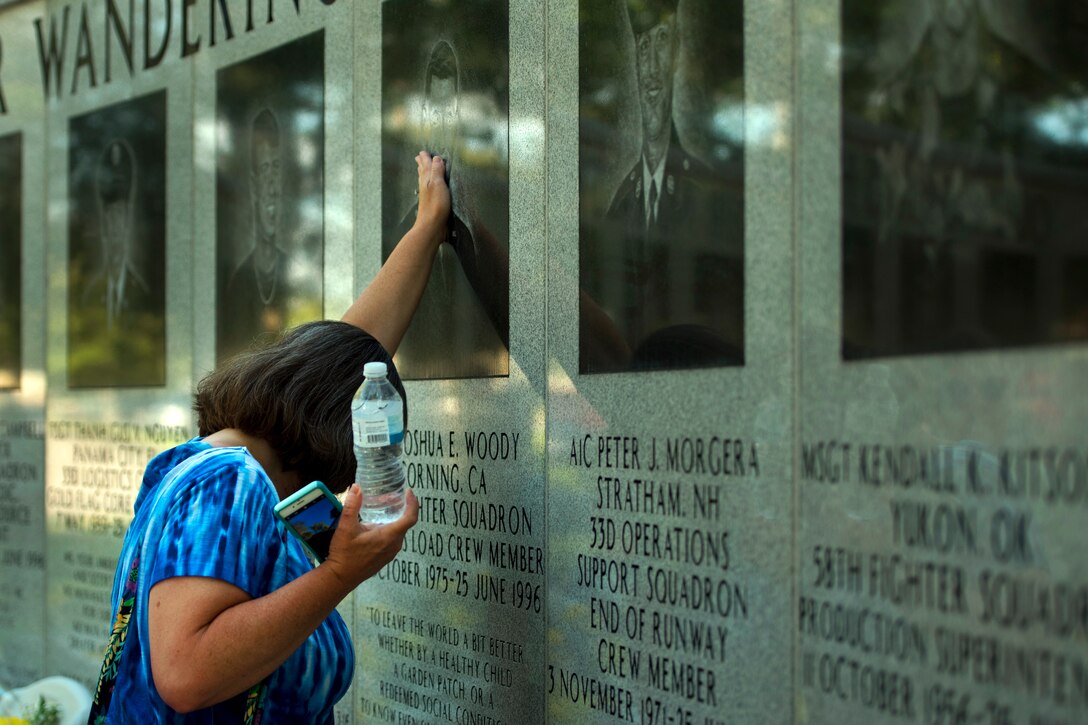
434, 196
386, 307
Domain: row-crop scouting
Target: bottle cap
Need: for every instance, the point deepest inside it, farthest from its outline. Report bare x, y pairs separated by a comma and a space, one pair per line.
375, 370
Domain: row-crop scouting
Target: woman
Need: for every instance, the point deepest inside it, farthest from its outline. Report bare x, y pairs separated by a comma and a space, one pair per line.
220, 616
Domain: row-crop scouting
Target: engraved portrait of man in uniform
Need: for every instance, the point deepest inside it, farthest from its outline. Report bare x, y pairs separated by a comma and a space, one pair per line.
254, 289
662, 262
118, 281
11, 253
269, 193
117, 245
444, 89
963, 174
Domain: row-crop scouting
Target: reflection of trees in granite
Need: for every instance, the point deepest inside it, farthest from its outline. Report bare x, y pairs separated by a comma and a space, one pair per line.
951, 82
116, 227
959, 201
308, 531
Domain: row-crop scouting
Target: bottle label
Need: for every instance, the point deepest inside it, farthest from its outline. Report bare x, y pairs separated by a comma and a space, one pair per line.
378, 432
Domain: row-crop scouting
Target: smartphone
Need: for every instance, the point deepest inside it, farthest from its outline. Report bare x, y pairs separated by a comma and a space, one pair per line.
311, 514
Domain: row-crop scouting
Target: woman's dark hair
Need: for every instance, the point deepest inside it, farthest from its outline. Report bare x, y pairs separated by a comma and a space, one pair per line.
296, 394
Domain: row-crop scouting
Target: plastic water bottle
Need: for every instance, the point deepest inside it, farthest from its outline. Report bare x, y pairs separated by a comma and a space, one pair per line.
377, 418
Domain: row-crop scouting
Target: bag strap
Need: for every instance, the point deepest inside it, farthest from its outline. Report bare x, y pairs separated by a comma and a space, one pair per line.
107, 678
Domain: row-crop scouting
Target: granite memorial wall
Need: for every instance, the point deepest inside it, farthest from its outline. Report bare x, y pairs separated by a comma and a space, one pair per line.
749, 386
22, 376
940, 464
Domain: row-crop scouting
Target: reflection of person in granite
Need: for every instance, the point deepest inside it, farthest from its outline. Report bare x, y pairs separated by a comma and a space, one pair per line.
658, 217
472, 266
256, 294
118, 286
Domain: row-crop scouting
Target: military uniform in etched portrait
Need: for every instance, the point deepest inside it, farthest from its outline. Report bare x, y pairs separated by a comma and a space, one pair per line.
118, 285
255, 294
269, 193
662, 268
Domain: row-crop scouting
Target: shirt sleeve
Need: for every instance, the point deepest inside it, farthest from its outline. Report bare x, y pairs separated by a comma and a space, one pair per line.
221, 525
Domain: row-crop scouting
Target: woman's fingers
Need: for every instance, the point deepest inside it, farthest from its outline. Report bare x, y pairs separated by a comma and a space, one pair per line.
349, 516
423, 160
407, 519
353, 499
438, 169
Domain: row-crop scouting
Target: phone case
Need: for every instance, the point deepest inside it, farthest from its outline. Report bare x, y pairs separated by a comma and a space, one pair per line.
303, 528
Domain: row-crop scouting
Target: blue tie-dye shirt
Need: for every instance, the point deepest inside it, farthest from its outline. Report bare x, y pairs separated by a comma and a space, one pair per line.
216, 520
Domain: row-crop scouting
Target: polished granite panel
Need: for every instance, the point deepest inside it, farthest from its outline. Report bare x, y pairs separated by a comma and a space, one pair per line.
964, 170
22, 350
308, 213
941, 489
863, 507
668, 491
454, 628
99, 439
270, 170
661, 186
116, 245
313, 208
446, 89
11, 278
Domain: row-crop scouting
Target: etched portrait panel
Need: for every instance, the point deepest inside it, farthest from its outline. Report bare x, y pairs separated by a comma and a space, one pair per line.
965, 175
661, 184
270, 161
117, 245
445, 78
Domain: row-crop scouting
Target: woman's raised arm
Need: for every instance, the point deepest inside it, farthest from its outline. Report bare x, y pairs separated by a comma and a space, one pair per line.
386, 306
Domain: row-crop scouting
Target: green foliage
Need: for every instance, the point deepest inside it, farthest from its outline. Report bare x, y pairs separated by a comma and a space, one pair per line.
45, 713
